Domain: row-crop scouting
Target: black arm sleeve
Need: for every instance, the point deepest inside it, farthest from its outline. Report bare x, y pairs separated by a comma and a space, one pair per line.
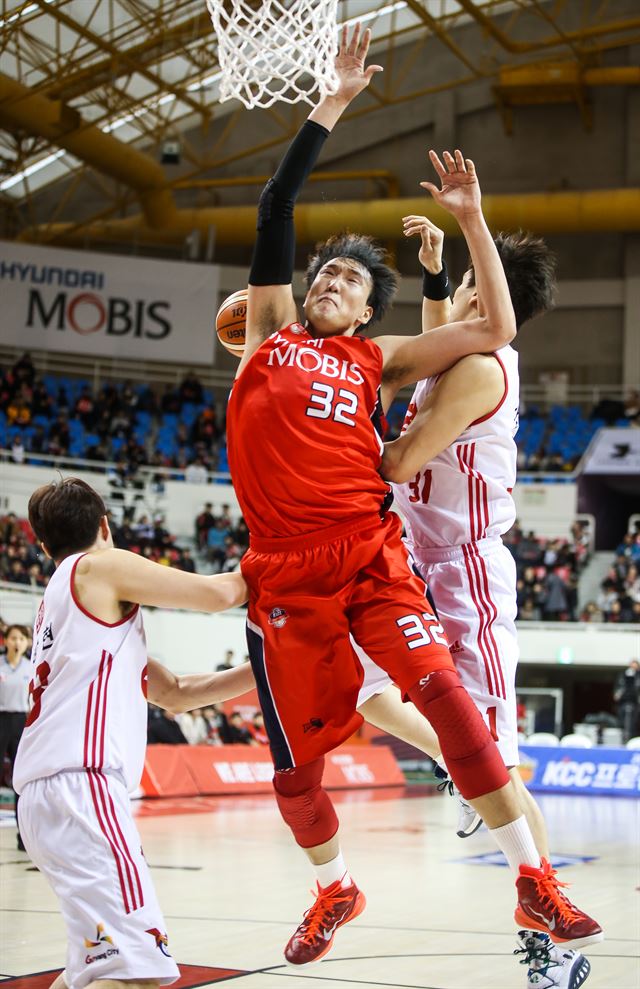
274, 250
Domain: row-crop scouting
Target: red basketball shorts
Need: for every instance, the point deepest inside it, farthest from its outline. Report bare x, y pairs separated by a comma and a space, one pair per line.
306, 600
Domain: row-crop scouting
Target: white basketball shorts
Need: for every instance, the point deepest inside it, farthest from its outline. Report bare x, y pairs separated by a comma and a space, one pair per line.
78, 829
474, 590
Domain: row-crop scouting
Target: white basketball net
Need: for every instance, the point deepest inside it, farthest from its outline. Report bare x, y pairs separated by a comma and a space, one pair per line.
284, 50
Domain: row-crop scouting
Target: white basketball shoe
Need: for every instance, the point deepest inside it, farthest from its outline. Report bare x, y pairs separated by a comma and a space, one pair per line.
468, 819
550, 966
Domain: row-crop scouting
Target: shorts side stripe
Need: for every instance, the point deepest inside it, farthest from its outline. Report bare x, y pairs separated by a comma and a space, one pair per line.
494, 614
123, 843
103, 827
101, 786
472, 576
278, 742
476, 570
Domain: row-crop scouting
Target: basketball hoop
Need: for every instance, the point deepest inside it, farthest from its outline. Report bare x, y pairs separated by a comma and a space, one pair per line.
283, 50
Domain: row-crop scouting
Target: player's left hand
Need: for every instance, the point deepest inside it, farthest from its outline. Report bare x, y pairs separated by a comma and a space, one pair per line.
459, 192
349, 64
431, 241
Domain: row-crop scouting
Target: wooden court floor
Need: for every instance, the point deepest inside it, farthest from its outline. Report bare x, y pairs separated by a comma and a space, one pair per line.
439, 914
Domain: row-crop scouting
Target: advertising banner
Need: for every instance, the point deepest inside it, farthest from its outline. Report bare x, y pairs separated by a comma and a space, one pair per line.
614, 772
614, 451
107, 305
190, 770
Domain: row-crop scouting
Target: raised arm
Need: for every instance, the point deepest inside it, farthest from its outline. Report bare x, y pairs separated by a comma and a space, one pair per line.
270, 304
436, 301
408, 359
460, 195
192, 690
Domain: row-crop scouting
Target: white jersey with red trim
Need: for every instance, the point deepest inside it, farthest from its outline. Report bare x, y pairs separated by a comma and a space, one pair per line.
464, 494
87, 695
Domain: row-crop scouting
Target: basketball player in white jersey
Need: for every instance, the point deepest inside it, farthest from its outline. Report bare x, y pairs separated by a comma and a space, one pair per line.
453, 471
82, 751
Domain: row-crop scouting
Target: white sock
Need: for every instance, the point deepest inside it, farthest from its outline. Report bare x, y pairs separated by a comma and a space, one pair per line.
516, 842
332, 872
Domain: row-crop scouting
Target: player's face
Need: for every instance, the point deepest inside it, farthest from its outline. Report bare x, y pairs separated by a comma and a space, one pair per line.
465, 301
336, 303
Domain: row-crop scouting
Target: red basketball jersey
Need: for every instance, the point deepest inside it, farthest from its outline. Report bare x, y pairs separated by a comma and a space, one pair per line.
301, 432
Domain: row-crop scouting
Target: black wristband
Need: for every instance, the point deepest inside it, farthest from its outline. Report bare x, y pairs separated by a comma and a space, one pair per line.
436, 287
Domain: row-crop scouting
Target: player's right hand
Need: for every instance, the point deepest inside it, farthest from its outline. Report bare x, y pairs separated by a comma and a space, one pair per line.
350, 68
459, 191
431, 241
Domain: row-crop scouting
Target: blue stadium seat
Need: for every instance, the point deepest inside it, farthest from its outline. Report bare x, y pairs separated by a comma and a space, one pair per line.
167, 446
190, 413
51, 383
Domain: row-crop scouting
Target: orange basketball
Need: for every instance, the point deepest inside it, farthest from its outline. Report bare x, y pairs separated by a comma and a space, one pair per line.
231, 322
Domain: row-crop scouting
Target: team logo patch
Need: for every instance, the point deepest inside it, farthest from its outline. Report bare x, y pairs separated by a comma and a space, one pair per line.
39, 618
314, 724
278, 617
162, 941
102, 940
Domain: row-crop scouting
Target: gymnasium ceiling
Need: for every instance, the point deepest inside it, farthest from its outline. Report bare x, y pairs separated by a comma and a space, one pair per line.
91, 90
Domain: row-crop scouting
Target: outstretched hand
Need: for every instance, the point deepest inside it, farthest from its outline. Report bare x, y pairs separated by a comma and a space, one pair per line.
349, 64
431, 241
459, 192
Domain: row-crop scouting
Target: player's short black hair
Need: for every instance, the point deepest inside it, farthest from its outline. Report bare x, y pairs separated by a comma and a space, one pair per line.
65, 515
370, 255
530, 267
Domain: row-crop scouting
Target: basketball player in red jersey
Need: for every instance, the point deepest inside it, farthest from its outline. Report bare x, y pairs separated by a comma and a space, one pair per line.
326, 561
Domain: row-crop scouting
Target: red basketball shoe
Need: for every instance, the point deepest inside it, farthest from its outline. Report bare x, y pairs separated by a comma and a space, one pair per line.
313, 939
542, 907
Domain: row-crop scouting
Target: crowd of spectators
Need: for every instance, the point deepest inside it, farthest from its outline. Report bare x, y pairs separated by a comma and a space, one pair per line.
181, 429
22, 561
219, 539
547, 572
553, 440
619, 597
127, 424
149, 537
205, 726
